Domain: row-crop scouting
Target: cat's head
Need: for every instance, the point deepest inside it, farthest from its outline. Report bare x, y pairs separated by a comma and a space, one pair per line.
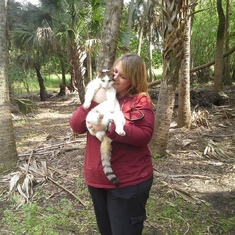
106, 78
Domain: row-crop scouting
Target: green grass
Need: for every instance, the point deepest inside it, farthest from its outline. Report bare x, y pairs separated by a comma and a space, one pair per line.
30, 85
44, 218
167, 214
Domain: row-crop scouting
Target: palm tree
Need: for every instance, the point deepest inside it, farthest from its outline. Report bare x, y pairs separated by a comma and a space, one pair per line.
34, 38
8, 154
184, 105
173, 35
34, 44
72, 21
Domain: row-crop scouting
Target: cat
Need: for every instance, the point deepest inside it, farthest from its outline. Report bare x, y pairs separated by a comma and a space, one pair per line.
110, 109
103, 79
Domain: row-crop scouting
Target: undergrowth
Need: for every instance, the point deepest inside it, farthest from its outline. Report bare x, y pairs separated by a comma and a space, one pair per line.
167, 214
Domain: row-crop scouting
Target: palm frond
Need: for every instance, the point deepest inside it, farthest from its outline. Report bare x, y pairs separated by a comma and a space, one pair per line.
24, 106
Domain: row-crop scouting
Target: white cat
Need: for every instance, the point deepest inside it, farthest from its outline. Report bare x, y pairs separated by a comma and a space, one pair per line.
110, 109
105, 80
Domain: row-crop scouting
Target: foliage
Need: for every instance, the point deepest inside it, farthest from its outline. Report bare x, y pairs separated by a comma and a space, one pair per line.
66, 217
36, 220
58, 15
203, 41
167, 213
24, 106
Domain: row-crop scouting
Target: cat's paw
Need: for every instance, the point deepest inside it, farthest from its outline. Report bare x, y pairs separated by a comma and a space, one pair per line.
86, 105
120, 132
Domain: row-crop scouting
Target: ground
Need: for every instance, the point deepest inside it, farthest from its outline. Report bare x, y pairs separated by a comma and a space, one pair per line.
205, 179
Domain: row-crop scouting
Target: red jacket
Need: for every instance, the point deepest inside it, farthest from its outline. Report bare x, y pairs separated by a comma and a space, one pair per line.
131, 158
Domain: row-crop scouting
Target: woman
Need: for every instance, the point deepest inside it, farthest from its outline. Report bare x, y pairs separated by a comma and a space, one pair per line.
121, 211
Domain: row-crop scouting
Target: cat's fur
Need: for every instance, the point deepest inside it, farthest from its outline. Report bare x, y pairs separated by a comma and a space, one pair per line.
105, 80
110, 109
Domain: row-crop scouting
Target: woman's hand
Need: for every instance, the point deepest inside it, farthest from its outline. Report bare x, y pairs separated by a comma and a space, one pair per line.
100, 127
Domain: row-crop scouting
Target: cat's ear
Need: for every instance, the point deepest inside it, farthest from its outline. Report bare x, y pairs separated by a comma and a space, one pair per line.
111, 72
99, 74
105, 71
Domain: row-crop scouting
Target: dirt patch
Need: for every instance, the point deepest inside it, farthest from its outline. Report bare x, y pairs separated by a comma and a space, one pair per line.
185, 170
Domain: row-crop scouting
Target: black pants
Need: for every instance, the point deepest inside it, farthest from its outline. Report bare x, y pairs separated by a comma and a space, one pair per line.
121, 211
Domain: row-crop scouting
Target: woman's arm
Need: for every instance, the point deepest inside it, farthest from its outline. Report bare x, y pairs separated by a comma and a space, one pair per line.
78, 120
138, 132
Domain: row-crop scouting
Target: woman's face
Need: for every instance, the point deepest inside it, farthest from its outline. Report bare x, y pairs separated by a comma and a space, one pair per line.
121, 83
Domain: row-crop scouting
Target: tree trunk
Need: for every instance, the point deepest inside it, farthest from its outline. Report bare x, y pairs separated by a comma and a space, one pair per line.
129, 24
142, 25
227, 77
184, 106
151, 24
173, 29
8, 154
219, 62
89, 65
63, 73
37, 68
77, 70
203, 66
140, 39
109, 35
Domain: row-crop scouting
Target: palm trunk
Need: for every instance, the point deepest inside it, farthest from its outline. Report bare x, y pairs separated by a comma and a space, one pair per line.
77, 70
172, 57
8, 154
219, 61
37, 68
129, 24
184, 106
227, 67
109, 35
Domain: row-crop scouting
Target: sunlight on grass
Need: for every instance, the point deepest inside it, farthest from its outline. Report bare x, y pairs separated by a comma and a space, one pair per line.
29, 86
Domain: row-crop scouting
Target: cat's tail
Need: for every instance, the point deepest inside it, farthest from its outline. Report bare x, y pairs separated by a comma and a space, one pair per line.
105, 150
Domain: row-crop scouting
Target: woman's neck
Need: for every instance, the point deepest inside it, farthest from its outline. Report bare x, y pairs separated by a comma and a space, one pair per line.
119, 96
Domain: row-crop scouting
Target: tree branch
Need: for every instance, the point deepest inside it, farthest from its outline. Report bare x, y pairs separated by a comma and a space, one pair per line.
229, 52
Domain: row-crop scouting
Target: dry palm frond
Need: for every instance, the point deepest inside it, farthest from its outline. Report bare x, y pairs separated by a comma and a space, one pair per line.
224, 113
19, 186
185, 195
46, 38
200, 117
216, 151
38, 169
24, 106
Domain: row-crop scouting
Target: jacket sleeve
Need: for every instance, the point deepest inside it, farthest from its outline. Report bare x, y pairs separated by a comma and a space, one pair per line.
138, 132
78, 119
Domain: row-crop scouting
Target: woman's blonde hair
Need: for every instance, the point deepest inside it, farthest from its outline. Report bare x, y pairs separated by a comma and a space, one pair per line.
134, 68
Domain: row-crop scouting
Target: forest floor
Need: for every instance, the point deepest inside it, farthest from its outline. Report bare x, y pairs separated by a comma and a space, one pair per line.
193, 190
